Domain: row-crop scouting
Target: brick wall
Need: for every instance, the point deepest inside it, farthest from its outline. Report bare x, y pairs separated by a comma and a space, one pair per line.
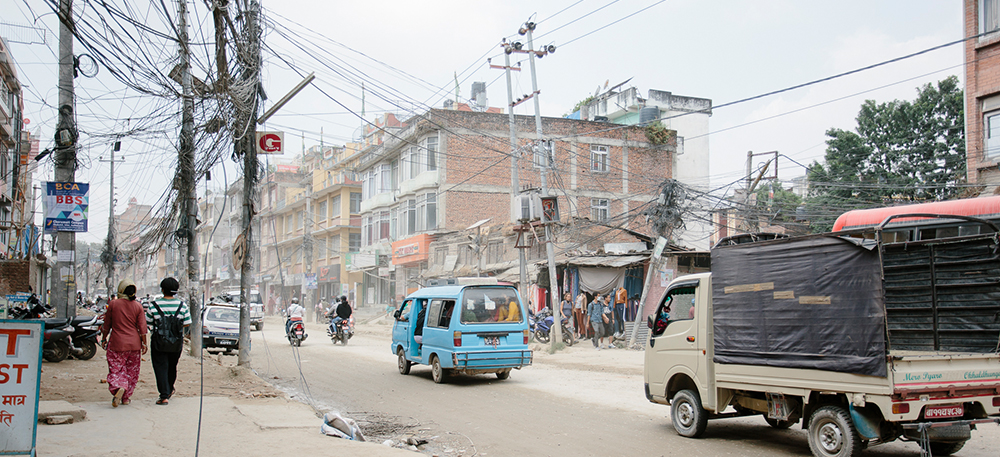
15, 276
982, 73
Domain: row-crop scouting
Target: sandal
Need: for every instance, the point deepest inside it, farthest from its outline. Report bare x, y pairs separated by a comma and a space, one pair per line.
117, 398
172, 392
125, 402
162, 401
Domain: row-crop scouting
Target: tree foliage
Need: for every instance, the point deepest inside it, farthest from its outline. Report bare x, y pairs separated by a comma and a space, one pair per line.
778, 204
901, 151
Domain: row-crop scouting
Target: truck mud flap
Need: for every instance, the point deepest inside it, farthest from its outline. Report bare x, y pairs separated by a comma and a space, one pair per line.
950, 431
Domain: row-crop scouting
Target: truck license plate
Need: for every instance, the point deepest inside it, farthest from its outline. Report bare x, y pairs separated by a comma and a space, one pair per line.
491, 340
943, 411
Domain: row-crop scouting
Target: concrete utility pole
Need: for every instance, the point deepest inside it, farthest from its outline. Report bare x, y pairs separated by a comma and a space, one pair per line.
63, 278
112, 249
556, 330
309, 244
515, 185
187, 192
251, 71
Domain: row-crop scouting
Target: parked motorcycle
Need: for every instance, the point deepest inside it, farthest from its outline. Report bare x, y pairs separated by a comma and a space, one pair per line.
296, 333
57, 344
85, 332
541, 325
342, 332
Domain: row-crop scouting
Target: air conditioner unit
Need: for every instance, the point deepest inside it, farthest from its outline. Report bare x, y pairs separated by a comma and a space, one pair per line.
525, 208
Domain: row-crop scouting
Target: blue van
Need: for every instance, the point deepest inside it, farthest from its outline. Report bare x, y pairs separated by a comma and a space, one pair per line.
467, 329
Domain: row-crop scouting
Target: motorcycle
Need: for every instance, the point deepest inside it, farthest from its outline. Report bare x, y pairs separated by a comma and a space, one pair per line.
342, 332
84, 338
57, 345
542, 323
296, 333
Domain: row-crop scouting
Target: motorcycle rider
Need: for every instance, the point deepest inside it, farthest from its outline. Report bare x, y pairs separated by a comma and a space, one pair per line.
295, 313
340, 313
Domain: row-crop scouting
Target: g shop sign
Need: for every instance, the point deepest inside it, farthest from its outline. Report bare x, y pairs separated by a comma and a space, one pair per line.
20, 375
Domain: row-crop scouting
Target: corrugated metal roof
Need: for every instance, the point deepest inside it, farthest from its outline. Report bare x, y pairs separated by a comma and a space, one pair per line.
611, 261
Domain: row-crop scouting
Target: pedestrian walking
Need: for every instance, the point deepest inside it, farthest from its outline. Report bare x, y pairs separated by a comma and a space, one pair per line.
125, 322
566, 309
595, 313
608, 318
579, 311
163, 314
320, 309
621, 296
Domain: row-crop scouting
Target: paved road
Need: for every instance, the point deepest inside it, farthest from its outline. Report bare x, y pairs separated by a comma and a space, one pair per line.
546, 409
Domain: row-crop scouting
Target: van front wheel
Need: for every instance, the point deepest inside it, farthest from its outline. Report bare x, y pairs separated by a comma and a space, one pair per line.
687, 415
404, 365
831, 433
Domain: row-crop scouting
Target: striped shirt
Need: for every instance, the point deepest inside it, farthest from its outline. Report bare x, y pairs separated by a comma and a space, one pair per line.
169, 307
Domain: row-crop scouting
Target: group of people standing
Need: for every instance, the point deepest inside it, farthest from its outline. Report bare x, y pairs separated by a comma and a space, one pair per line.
124, 337
601, 318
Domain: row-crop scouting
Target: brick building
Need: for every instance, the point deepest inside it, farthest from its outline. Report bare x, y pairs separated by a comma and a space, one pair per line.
982, 91
449, 169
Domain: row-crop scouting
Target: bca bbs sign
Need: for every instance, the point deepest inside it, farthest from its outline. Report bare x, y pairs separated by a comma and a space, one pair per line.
270, 142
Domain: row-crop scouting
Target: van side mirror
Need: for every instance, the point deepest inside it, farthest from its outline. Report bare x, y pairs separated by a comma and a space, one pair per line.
649, 321
397, 313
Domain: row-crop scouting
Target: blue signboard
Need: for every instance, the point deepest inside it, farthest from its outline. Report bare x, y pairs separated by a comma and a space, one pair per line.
66, 206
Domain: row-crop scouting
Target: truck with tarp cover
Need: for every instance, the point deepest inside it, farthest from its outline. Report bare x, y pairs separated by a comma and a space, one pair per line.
862, 340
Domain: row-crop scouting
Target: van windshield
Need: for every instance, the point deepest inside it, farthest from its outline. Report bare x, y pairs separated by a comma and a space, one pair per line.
486, 305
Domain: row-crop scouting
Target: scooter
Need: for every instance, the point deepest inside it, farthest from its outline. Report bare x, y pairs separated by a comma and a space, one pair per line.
57, 343
542, 324
342, 332
84, 338
296, 333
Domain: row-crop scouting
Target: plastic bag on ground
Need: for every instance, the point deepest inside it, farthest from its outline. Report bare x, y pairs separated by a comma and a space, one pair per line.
336, 425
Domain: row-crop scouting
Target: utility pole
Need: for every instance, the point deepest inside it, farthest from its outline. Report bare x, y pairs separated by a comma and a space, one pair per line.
515, 185
308, 243
556, 331
186, 193
111, 254
251, 72
63, 278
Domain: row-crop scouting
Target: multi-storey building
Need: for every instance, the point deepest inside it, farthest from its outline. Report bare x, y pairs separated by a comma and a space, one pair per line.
982, 91
688, 116
310, 226
446, 170
15, 155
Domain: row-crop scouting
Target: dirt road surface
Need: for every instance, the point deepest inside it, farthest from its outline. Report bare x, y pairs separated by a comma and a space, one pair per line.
576, 402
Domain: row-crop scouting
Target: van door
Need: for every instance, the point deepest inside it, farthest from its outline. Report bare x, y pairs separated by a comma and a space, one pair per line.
437, 337
674, 343
401, 334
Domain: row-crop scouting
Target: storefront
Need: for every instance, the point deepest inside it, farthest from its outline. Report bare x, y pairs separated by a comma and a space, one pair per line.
409, 258
328, 277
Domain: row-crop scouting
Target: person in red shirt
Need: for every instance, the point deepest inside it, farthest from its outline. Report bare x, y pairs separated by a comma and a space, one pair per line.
125, 321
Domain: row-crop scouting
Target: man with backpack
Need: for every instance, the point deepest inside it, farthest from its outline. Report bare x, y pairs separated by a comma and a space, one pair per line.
168, 317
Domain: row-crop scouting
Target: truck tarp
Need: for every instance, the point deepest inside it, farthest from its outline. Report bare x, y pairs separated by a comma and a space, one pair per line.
810, 302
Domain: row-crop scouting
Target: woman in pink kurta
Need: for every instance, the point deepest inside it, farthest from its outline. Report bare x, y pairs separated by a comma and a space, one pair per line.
125, 321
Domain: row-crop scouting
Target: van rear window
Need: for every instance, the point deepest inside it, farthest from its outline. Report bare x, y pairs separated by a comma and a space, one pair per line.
486, 305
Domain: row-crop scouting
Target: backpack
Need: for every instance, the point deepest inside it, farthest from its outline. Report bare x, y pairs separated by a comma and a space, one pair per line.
168, 331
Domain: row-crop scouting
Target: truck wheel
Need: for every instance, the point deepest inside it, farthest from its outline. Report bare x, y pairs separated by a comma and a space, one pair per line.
404, 365
831, 433
778, 424
946, 448
437, 372
687, 415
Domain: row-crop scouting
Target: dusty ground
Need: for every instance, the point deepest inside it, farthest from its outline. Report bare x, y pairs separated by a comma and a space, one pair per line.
84, 380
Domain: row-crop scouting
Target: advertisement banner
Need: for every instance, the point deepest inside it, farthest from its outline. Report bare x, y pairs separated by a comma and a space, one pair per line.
310, 281
329, 273
66, 206
20, 376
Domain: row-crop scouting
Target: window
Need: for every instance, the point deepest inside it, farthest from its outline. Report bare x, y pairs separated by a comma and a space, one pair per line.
288, 223
409, 217
385, 178
414, 162
989, 16
333, 246
355, 202
366, 230
992, 146
599, 158
354, 243
599, 209
393, 223
324, 248
395, 175
481, 305
677, 306
439, 313
299, 220
383, 225
431, 209
335, 206
431, 146
544, 154
321, 210
494, 252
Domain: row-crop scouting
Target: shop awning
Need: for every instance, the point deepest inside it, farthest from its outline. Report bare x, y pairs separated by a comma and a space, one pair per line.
609, 261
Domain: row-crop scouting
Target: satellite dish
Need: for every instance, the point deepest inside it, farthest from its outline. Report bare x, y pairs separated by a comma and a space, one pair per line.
598, 91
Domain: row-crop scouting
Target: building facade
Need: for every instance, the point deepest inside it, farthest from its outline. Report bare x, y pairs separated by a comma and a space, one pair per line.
17, 235
982, 91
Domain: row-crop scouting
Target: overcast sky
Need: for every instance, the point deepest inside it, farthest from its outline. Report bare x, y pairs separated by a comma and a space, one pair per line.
408, 54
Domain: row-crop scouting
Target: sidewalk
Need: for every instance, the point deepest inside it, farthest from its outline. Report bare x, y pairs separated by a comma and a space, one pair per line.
259, 427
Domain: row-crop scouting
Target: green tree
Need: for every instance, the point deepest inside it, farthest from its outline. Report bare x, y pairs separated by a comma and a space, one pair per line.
778, 204
901, 151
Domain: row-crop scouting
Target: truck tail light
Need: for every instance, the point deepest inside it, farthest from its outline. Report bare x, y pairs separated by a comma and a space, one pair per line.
900, 408
526, 334
458, 338
204, 330
996, 401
